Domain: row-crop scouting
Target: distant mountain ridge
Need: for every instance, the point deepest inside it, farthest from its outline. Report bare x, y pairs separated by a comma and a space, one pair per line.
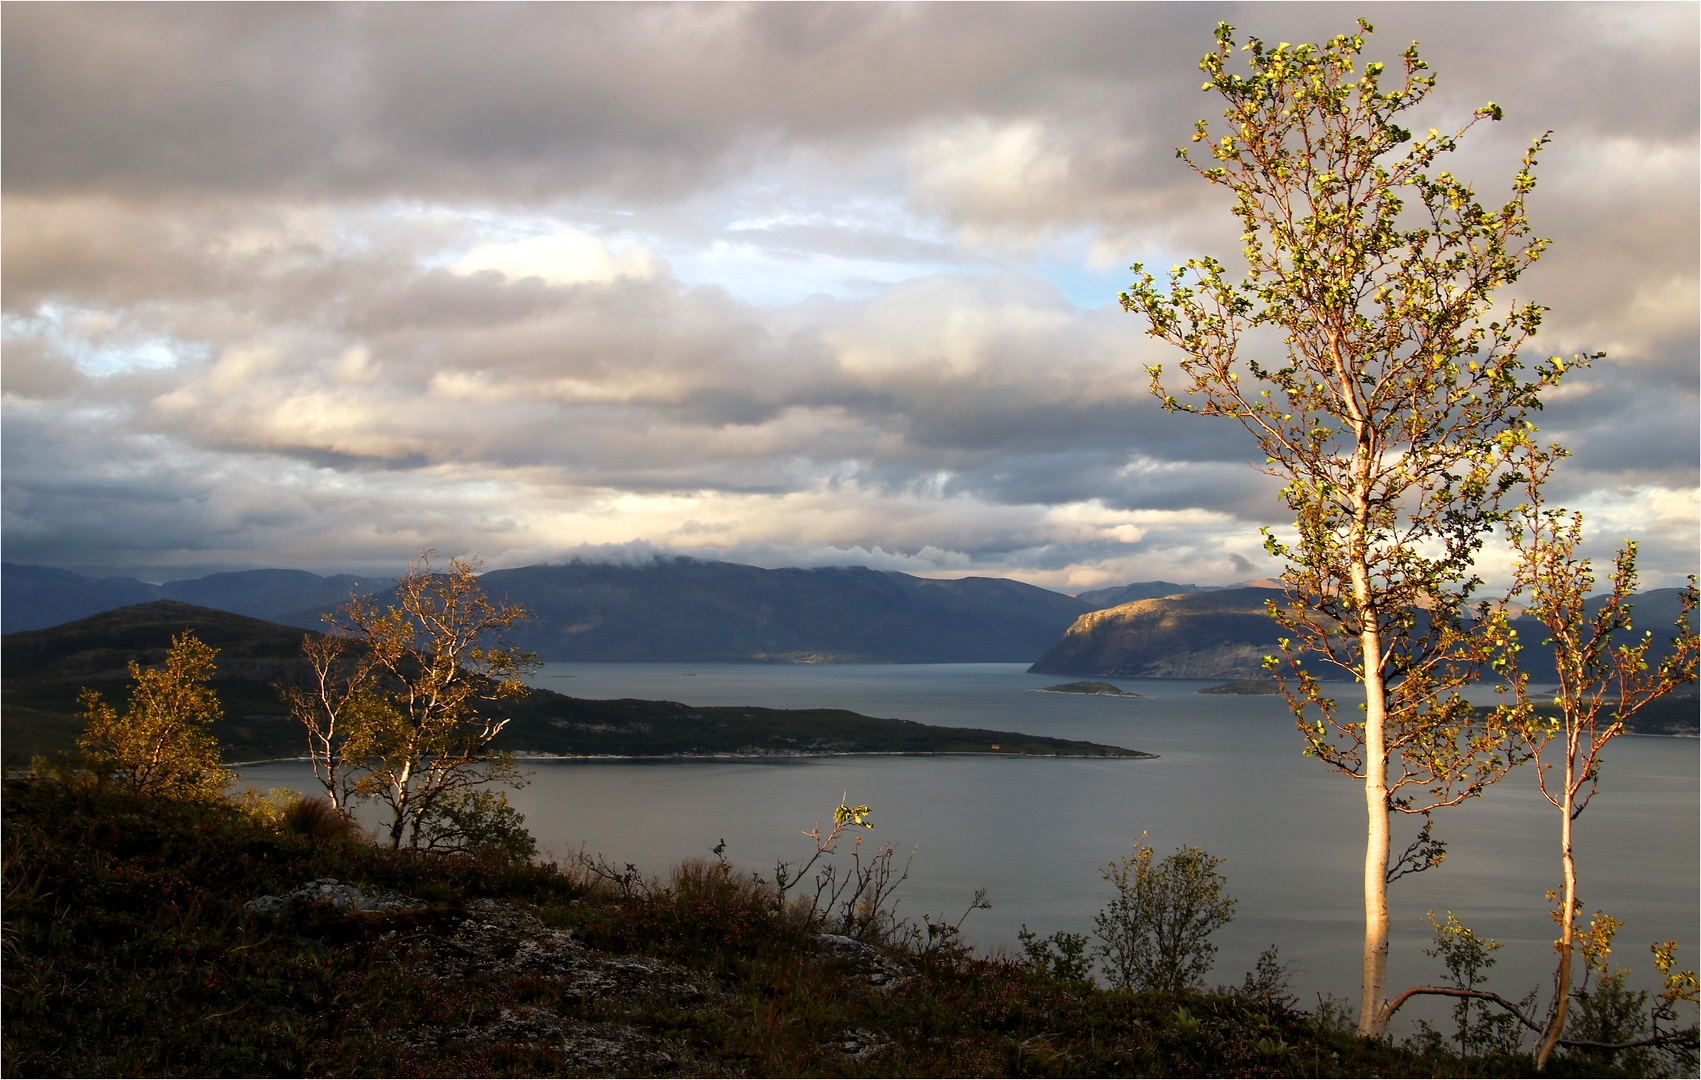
695, 611
681, 609
699, 611
36, 597
675, 609
44, 670
1117, 595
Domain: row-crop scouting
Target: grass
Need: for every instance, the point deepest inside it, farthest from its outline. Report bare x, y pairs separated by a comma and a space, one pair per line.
128, 952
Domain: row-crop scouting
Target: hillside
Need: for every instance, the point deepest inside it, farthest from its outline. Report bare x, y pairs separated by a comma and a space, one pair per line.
1225, 633
140, 942
45, 669
1220, 634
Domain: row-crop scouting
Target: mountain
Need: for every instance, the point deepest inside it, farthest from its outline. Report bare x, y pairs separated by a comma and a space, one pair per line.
692, 611
1117, 595
678, 609
1224, 634
1220, 634
35, 596
266, 594
40, 596
688, 610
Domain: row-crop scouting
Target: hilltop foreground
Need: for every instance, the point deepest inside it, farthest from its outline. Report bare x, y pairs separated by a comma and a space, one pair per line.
157, 938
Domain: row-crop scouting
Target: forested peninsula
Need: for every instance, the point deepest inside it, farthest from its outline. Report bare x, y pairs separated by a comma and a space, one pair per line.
44, 670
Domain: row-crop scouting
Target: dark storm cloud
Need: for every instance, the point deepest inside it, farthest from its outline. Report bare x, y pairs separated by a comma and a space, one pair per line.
528, 100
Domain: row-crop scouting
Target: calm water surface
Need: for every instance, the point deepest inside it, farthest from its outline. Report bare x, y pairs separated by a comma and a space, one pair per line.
1037, 832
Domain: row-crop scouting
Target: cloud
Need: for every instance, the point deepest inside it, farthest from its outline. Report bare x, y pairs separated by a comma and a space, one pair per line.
562, 258
326, 286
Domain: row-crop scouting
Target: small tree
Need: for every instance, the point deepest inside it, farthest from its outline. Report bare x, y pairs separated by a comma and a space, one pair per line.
340, 696
1156, 932
161, 745
409, 703
1467, 958
1395, 412
1602, 682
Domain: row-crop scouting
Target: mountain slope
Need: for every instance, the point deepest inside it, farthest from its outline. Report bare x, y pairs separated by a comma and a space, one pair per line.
687, 610
1224, 634
1220, 634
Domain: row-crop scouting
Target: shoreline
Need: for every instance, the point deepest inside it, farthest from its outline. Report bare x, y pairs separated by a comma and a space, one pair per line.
778, 755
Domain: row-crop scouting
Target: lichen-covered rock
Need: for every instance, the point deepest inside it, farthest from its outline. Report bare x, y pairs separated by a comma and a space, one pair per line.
497, 944
877, 968
329, 891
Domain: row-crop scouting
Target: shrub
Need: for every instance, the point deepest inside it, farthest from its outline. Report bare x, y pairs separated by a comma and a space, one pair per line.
1156, 933
316, 817
1062, 956
1467, 958
470, 820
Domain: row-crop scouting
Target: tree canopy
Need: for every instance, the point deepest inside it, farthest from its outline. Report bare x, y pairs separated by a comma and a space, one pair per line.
1367, 351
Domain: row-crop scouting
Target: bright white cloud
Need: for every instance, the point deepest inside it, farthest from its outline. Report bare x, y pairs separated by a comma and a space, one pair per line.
562, 258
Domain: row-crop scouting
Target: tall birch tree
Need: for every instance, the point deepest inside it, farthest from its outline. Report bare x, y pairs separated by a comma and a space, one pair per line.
1366, 352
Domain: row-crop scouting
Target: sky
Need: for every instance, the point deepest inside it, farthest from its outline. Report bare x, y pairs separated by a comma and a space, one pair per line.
323, 286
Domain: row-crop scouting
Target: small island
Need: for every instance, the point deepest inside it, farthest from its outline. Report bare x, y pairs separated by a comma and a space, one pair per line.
1099, 689
550, 725
1244, 687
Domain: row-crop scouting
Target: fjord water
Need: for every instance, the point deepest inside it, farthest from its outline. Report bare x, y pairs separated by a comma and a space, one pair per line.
1036, 832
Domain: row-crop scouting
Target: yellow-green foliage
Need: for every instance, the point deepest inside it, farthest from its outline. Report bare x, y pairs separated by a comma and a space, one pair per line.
161, 745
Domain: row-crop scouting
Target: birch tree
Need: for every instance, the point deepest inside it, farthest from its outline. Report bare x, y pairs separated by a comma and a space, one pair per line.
161, 745
1366, 352
416, 734
1602, 682
332, 704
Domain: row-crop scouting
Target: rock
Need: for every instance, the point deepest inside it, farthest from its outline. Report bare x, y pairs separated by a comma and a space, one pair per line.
328, 891
494, 941
879, 970
860, 1044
